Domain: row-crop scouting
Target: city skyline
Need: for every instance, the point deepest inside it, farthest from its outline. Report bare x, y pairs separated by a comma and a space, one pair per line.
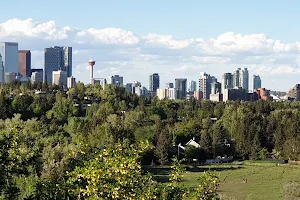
174, 46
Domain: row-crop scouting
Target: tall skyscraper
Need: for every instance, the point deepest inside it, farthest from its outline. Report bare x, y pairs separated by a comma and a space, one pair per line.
227, 81
241, 78
256, 82
153, 82
236, 78
180, 88
57, 58
10, 57
215, 87
1, 70
25, 63
192, 86
245, 79
59, 77
115, 80
68, 60
205, 81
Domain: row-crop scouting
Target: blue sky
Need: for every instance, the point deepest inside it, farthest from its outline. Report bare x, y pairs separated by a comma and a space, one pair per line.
183, 20
276, 18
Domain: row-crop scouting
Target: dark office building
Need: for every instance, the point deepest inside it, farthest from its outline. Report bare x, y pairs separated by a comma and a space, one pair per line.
153, 83
25, 63
180, 88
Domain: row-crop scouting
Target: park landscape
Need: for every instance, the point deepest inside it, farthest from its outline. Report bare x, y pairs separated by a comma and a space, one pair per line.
89, 142
265, 180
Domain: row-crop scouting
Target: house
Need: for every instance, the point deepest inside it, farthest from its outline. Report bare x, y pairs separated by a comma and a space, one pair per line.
191, 142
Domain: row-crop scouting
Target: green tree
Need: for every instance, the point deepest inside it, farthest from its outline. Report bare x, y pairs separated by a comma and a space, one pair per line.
162, 146
114, 173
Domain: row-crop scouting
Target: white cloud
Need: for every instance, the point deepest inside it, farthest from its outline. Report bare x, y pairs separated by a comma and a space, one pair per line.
107, 36
166, 41
21, 28
135, 57
278, 70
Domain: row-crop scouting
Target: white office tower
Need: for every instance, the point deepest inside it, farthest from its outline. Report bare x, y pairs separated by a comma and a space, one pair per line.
1, 70
10, 58
59, 77
71, 82
37, 76
10, 77
115, 80
165, 93
241, 79
205, 81
245, 79
227, 81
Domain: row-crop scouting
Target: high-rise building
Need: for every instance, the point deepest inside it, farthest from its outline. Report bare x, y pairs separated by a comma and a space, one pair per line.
241, 78
153, 82
115, 80
57, 58
180, 88
68, 60
236, 78
1, 70
205, 85
59, 77
36, 76
256, 82
71, 82
245, 79
9, 52
227, 81
192, 86
25, 63
215, 87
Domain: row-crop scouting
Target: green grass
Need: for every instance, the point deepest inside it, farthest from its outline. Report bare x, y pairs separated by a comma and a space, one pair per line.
265, 180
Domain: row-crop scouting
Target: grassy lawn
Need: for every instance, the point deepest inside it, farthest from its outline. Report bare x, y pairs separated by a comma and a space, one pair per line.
265, 180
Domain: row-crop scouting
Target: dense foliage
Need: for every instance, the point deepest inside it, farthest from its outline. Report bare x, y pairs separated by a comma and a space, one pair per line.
48, 141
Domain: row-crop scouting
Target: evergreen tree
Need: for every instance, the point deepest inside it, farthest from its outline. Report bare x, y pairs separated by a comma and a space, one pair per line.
162, 146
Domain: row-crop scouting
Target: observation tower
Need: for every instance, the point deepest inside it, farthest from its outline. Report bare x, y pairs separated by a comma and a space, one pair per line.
91, 64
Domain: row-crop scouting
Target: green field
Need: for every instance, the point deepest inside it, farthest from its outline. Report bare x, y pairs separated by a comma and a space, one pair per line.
265, 180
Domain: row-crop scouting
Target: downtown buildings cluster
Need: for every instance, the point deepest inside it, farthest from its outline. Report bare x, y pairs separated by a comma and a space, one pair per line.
233, 86
15, 64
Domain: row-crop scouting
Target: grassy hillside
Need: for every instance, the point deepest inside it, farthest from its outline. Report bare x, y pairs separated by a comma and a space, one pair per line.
264, 180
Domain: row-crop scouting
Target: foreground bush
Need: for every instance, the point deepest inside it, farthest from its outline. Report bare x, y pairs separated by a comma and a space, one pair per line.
115, 173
